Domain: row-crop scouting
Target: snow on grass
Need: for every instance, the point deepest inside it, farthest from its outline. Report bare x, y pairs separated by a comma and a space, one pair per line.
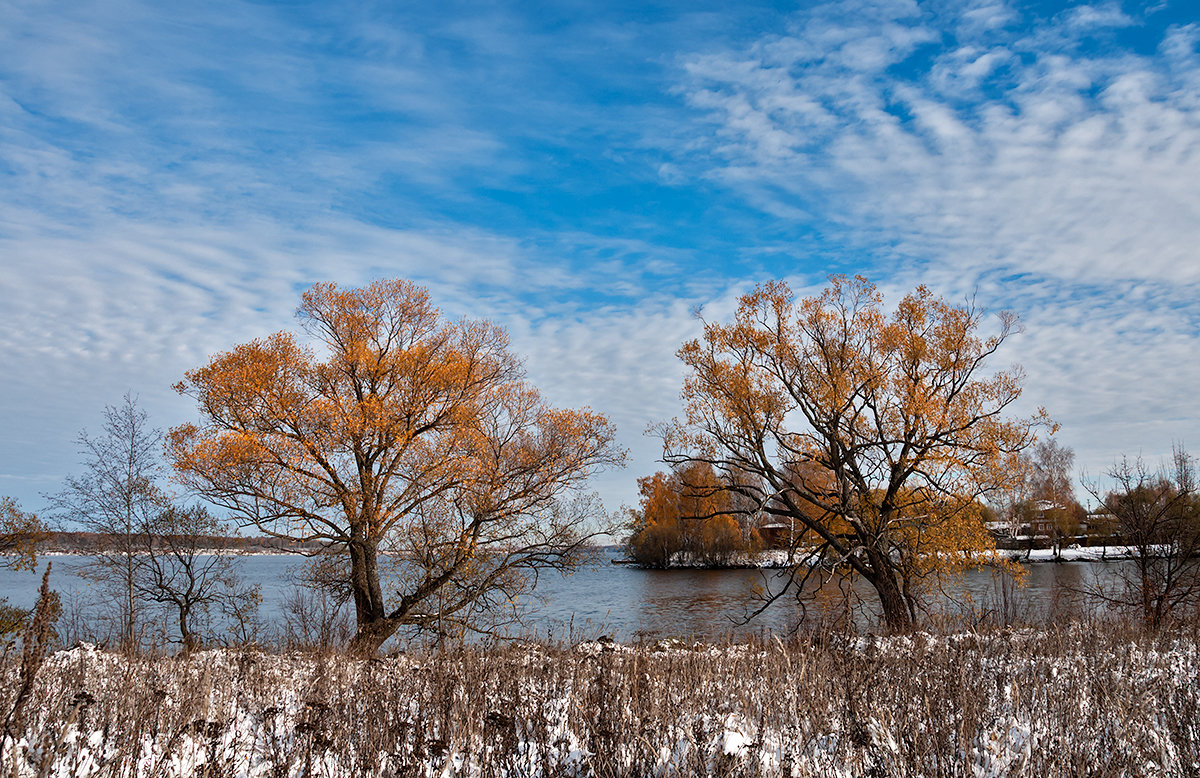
1034, 702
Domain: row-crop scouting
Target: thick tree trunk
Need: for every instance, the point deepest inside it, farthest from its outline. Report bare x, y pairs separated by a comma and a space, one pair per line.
371, 636
896, 616
373, 627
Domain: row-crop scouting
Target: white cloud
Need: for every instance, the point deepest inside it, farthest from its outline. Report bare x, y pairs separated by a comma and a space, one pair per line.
1107, 15
1048, 175
174, 182
983, 17
1057, 183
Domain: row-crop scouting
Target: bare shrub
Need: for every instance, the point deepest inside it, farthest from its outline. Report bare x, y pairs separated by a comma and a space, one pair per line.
1157, 513
39, 634
314, 620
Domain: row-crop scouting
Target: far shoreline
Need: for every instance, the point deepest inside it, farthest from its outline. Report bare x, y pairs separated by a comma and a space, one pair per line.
777, 560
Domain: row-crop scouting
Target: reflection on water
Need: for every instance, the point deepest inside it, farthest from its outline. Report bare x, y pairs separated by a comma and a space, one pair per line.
628, 603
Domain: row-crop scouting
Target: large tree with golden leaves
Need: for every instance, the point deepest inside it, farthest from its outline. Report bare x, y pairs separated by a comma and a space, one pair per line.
874, 432
395, 435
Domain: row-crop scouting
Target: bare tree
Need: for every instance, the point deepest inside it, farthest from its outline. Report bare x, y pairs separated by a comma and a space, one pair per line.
117, 497
153, 553
181, 571
1051, 491
1158, 515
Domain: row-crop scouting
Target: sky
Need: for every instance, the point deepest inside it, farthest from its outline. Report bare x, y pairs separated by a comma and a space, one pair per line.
591, 175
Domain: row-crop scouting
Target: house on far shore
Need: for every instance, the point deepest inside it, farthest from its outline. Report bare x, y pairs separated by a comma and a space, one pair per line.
1039, 519
1047, 519
999, 529
775, 535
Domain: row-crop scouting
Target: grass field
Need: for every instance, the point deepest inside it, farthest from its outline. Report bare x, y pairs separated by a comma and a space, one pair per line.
1087, 699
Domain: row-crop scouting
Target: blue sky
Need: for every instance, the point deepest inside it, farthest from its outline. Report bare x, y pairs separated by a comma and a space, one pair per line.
587, 175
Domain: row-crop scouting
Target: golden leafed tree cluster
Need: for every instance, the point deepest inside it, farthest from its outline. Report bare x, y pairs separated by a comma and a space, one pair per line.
20, 533
400, 439
688, 516
873, 430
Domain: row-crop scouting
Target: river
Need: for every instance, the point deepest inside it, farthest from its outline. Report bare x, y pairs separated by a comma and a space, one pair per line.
628, 603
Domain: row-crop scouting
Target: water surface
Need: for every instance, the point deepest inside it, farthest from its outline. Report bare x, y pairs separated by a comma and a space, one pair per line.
629, 603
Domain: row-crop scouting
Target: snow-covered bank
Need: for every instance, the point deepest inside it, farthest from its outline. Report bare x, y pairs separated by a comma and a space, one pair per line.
1072, 554
776, 558
1007, 704
203, 552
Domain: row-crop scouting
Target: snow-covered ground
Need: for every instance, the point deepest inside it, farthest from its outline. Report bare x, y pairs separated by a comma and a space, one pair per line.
1080, 701
778, 558
1072, 554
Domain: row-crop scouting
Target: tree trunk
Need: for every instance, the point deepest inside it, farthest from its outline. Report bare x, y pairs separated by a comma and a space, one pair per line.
130, 604
371, 636
1146, 586
896, 616
373, 627
185, 634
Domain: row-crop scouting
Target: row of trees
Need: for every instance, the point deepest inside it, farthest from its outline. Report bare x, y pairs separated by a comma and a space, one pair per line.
439, 482
685, 514
878, 436
1153, 512
434, 478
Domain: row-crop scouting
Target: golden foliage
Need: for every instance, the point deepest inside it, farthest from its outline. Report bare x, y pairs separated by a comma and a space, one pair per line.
395, 428
687, 516
20, 533
873, 429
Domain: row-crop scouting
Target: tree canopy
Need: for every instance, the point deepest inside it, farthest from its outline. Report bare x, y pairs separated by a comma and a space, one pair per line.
394, 431
689, 516
875, 432
20, 533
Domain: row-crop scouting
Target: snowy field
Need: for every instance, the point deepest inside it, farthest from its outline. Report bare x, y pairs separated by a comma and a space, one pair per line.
1037, 703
